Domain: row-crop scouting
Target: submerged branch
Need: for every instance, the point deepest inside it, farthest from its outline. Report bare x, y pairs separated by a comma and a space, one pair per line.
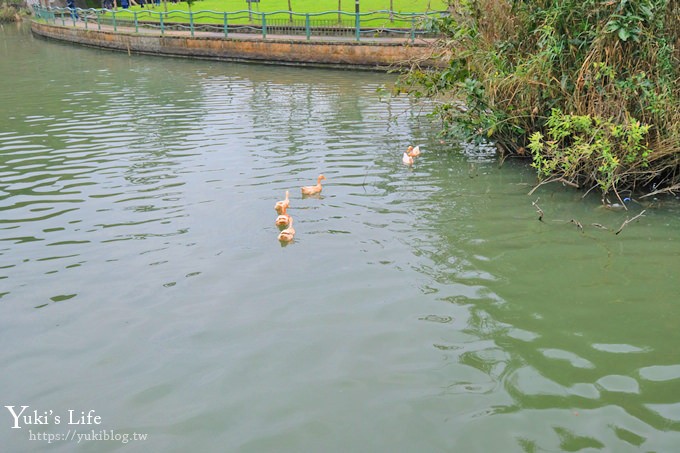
538, 209
578, 224
623, 225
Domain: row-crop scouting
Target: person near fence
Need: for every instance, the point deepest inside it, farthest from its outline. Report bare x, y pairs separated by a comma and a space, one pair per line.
71, 4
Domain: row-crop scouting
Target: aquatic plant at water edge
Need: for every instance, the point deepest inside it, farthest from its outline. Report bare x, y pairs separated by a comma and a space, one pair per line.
588, 89
12, 10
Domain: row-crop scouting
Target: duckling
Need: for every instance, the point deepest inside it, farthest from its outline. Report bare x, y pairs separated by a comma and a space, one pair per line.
288, 234
407, 159
282, 205
414, 152
313, 190
283, 219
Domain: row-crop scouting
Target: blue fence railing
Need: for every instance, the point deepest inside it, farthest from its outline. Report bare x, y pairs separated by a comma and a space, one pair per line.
330, 23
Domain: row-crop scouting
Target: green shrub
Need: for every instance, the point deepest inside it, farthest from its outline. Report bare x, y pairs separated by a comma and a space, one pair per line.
581, 147
9, 13
510, 68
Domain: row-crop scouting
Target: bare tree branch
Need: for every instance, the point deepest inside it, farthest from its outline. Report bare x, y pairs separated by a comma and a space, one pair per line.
672, 189
578, 224
538, 209
562, 180
629, 220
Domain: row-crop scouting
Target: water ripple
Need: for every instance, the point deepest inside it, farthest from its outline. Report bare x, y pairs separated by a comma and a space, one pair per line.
137, 204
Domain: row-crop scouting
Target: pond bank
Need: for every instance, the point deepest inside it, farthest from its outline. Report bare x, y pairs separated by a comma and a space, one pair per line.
338, 52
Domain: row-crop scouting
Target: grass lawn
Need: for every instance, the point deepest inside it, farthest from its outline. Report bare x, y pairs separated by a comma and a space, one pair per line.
308, 6
211, 11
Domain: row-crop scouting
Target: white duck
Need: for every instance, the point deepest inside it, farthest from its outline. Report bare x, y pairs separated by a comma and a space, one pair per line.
407, 159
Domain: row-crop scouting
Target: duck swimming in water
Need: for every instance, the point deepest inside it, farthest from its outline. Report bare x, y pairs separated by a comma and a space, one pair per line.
313, 190
283, 219
282, 205
288, 234
407, 159
413, 152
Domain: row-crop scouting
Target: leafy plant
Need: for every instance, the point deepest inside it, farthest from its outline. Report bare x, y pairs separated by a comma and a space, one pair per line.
581, 147
508, 69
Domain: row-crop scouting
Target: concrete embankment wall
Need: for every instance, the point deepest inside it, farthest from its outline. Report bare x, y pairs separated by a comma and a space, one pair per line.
273, 49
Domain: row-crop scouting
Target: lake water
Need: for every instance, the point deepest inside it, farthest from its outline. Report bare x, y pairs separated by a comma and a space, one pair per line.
420, 309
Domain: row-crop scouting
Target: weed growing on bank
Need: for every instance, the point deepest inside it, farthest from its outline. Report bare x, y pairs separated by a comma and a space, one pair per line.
588, 89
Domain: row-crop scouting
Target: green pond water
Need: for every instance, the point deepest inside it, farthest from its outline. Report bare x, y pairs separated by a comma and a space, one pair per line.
420, 309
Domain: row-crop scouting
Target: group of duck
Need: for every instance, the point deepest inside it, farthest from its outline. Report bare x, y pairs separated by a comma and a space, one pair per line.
285, 220
410, 155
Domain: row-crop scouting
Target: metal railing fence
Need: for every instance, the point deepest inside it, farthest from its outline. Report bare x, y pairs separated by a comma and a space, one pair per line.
329, 23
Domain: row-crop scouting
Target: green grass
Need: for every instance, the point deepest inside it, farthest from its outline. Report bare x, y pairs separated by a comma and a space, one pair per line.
322, 12
307, 6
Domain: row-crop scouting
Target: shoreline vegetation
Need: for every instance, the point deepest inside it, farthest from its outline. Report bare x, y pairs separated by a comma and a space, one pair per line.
588, 90
12, 11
